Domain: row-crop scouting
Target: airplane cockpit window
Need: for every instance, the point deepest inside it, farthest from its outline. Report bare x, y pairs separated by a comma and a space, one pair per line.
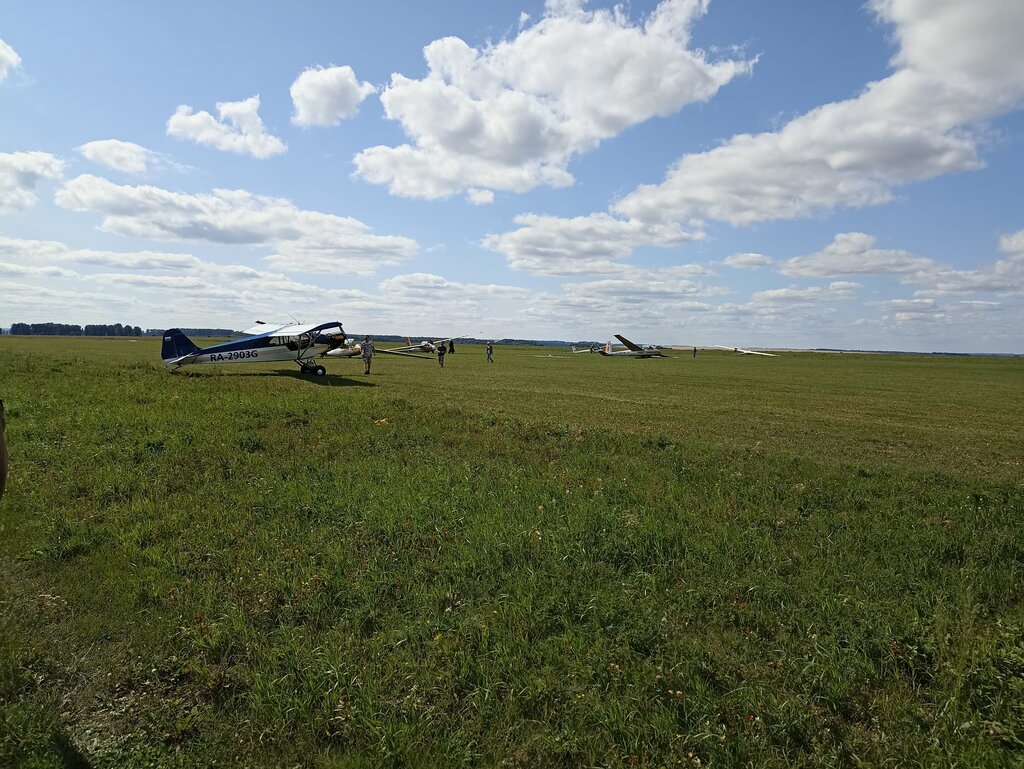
291, 342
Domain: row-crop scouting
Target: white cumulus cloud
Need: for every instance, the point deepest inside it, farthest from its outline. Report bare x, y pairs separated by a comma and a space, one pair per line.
905, 305
834, 291
854, 253
22, 271
636, 289
324, 96
549, 245
308, 241
36, 252
239, 128
958, 64
479, 197
747, 261
427, 284
511, 115
1003, 276
9, 60
119, 155
1013, 245
151, 287
20, 174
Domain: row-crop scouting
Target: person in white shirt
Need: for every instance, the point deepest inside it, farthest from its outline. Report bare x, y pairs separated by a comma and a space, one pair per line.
367, 350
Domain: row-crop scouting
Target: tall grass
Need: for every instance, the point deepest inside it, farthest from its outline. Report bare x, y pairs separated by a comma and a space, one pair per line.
812, 560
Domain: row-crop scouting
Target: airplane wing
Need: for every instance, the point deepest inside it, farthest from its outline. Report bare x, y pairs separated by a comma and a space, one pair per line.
741, 351
450, 338
263, 328
632, 346
398, 351
304, 328
410, 350
288, 329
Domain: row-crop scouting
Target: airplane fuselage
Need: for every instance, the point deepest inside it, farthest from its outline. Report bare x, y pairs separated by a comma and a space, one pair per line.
254, 354
633, 350
634, 354
299, 344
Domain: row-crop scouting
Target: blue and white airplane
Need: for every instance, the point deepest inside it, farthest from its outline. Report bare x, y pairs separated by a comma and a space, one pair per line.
300, 343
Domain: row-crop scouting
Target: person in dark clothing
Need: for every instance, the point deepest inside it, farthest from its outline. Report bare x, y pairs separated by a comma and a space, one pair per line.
440, 355
490, 353
694, 352
451, 346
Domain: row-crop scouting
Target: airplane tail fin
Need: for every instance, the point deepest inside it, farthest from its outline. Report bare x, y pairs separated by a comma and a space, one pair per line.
607, 349
176, 344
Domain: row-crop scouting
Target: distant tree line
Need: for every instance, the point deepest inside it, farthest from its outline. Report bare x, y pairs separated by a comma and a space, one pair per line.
106, 329
73, 329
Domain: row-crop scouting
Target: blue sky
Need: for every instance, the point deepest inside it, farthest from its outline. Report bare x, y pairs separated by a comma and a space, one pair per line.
801, 174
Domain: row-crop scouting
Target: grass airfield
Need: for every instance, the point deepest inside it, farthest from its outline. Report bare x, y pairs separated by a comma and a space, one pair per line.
810, 560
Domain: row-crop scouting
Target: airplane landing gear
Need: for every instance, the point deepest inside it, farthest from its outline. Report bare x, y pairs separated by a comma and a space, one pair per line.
312, 368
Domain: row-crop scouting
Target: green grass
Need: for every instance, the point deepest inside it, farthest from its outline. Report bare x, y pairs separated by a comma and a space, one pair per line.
812, 560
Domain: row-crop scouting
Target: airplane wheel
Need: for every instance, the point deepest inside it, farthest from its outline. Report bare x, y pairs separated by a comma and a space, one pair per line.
319, 371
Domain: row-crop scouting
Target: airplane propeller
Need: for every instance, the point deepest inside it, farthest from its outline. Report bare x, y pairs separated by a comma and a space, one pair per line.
335, 341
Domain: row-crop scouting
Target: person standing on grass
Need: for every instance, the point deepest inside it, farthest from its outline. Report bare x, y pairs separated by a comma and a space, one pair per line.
366, 348
451, 346
490, 353
440, 354
695, 352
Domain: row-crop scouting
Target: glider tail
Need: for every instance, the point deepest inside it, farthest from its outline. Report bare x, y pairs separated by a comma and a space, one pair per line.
176, 344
